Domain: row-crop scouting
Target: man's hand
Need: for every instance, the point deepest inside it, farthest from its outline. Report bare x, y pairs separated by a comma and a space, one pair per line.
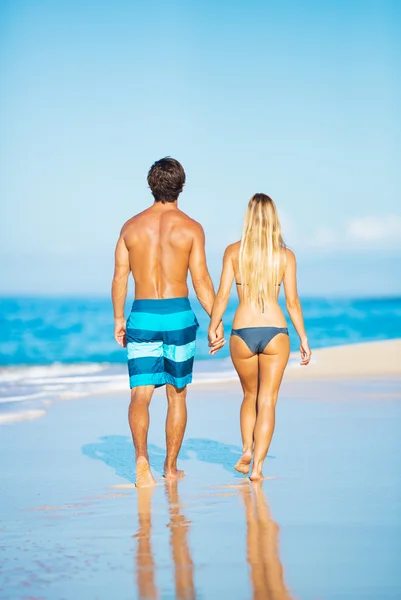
305, 352
216, 338
120, 332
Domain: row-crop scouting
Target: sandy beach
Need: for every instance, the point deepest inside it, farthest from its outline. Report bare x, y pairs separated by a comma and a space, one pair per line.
377, 359
325, 524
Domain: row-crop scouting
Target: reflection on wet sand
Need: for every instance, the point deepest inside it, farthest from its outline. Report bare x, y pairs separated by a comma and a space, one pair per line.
266, 571
179, 527
145, 564
262, 546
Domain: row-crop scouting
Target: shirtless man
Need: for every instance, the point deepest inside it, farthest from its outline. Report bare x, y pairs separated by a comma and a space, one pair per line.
159, 246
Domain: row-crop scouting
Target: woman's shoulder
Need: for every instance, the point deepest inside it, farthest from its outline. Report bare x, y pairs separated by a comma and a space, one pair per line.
232, 250
289, 254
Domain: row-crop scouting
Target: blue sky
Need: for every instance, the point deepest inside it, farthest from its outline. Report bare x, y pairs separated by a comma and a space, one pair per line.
299, 100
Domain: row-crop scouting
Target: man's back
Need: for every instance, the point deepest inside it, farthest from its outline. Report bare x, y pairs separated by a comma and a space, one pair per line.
159, 241
159, 246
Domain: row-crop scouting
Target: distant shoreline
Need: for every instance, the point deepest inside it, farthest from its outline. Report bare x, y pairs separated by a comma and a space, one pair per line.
326, 353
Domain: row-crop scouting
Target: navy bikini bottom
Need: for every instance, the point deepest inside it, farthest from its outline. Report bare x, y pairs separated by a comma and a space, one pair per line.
257, 338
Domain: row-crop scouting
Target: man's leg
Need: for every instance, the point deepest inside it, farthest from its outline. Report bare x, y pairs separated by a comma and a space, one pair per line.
175, 428
138, 416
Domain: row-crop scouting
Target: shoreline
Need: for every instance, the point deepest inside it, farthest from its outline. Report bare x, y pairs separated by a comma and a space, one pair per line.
93, 367
41, 387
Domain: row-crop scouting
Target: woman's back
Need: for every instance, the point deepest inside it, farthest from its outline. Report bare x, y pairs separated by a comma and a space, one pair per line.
247, 314
260, 264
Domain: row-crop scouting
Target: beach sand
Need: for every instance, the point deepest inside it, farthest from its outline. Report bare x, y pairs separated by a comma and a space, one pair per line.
354, 360
326, 524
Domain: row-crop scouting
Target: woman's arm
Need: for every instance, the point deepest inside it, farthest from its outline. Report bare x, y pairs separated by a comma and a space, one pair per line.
221, 299
294, 305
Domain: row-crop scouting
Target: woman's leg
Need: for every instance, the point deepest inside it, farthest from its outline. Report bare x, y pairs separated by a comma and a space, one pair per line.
246, 365
271, 369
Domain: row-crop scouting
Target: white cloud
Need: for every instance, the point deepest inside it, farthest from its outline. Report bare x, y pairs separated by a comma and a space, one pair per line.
362, 232
374, 229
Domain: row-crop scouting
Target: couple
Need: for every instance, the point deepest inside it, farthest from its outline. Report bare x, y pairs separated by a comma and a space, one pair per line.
159, 246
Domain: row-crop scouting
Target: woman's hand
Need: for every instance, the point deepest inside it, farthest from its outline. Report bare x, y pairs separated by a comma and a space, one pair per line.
216, 338
120, 332
305, 352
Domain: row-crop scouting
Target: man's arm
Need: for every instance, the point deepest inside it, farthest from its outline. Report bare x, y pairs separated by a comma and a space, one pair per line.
119, 290
202, 282
201, 279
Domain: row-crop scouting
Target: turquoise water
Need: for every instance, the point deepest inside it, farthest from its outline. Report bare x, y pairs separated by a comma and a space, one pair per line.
43, 331
57, 348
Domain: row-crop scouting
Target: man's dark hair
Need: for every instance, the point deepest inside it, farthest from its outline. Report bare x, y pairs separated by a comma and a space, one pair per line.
166, 179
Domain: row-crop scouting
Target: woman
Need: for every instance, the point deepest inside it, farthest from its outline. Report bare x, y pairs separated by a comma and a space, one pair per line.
259, 342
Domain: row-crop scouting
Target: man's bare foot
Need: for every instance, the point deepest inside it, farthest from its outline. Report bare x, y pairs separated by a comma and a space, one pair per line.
172, 472
244, 463
256, 476
144, 477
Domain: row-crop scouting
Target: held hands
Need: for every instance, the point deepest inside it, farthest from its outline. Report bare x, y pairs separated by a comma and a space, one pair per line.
216, 338
120, 332
305, 352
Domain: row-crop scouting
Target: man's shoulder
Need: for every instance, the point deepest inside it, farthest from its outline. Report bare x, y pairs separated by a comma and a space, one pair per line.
133, 221
189, 223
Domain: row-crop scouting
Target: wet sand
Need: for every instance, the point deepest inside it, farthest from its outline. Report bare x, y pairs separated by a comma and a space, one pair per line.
326, 524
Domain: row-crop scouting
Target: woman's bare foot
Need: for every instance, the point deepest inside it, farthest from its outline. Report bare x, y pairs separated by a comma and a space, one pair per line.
172, 472
244, 463
144, 477
256, 475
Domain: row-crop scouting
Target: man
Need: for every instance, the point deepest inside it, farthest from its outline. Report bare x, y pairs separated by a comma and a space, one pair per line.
159, 246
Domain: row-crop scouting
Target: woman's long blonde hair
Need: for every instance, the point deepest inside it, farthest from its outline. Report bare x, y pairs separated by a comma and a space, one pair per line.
260, 252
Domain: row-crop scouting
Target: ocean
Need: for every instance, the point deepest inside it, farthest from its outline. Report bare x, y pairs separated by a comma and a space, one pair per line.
55, 348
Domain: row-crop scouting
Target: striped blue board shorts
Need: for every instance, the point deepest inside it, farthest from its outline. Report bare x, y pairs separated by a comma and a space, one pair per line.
161, 338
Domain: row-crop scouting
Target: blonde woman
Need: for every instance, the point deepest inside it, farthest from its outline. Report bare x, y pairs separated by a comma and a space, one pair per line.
260, 263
